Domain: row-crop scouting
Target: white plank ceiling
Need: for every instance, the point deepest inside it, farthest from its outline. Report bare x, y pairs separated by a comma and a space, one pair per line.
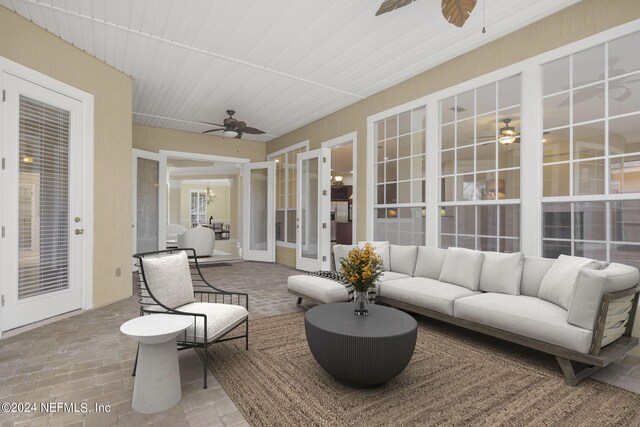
280, 64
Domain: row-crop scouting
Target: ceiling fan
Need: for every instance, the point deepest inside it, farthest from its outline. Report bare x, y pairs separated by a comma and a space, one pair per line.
507, 135
232, 128
456, 12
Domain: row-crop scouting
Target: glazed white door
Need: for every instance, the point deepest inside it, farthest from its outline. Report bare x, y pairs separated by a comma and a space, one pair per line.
313, 231
42, 205
259, 212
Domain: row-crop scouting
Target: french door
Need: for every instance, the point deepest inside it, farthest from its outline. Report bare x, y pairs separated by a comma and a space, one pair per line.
42, 203
259, 217
313, 231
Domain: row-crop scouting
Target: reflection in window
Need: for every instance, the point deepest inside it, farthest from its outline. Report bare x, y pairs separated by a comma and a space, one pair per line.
591, 150
480, 162
399, 159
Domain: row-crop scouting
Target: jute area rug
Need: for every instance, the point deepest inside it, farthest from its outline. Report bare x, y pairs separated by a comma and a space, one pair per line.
454, 378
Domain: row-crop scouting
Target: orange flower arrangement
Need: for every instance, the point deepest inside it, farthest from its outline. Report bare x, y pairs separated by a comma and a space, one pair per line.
362, 267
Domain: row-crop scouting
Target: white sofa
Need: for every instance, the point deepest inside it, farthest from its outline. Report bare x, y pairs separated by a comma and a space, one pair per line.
201, 239
577, 309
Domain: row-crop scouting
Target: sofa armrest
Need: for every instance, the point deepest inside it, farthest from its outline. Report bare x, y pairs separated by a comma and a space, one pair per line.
615, 317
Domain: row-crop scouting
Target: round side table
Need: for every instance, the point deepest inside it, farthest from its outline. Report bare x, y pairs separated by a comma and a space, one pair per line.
157, 385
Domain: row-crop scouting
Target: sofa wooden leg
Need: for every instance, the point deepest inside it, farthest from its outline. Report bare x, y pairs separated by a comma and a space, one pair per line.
299, 301
571, 377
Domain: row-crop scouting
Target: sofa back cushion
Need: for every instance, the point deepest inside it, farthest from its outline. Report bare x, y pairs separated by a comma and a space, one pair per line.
340, 251
429, 262
168, 278
533, 271
591, 285
403, 259
557, 285
462, 267
501, 273
382, 249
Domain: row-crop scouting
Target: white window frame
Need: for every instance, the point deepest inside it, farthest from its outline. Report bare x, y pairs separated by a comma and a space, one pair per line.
531, 126
304, 144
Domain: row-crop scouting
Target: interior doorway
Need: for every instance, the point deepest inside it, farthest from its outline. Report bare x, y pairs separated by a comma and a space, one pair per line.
343, 198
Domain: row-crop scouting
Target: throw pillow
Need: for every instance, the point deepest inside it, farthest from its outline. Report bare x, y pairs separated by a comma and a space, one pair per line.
169, 279
462, 267
382, 249
403, 258
591, 285
501, 273
430, 261
557, 285
340, 251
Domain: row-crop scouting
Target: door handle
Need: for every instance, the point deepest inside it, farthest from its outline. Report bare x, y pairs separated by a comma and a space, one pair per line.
79, 231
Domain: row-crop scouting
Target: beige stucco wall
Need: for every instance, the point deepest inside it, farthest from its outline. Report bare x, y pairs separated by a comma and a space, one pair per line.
31, 46
155, 139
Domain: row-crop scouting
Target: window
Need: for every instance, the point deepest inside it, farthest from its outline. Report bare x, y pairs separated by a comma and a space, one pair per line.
286, 182
399, 207
591, 153
480, 168
198, 208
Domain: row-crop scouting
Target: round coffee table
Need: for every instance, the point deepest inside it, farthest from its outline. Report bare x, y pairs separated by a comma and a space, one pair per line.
364, 350
157, 385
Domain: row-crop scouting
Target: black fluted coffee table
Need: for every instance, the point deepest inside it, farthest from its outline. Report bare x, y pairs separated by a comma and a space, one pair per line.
363, 350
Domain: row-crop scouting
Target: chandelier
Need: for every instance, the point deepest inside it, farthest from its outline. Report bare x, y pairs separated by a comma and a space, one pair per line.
209, 195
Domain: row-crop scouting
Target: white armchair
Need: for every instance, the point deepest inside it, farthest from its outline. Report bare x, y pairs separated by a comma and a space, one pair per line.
202, 239
173, 230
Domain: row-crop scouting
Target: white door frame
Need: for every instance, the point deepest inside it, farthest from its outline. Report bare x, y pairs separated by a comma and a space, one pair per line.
139, 154
349, 138
268, 255
163, 194
86, 99
323, 261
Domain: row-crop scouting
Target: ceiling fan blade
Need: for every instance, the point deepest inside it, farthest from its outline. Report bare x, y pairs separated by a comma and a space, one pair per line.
457, 12
212, 130
252, 131
209, 123
483, 137
389, 5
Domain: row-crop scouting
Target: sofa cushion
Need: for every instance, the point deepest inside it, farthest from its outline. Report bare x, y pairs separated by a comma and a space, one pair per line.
501, 273
382, 249
340, 251
527, 316
392, 275
429, 262
428, 293
557, 285
221, 318
168, 278
403, 259
462, 267
591, 285
533, 271
318, 288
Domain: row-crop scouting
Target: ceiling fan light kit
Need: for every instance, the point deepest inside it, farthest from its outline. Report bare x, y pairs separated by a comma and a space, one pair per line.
230, 133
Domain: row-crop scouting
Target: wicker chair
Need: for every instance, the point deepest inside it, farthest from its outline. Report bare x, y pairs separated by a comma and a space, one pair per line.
170, 281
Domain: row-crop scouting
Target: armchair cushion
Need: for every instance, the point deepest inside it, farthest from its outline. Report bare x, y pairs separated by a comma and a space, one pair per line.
221, 318
168, 278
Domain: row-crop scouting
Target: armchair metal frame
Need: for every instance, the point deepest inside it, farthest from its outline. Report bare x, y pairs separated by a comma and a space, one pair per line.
206, 292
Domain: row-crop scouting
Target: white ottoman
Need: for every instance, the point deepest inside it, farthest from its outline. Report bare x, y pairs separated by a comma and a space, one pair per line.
317, 289
157, 385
